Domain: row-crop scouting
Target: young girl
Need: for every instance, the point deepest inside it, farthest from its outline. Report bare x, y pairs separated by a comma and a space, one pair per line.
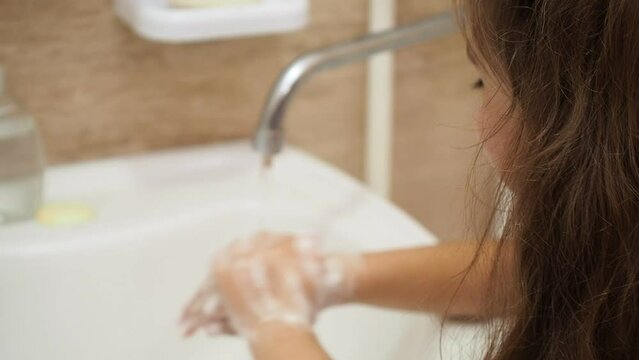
560, 123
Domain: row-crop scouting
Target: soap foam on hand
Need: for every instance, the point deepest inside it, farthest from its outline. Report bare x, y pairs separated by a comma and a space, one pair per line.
209, 3
266, 278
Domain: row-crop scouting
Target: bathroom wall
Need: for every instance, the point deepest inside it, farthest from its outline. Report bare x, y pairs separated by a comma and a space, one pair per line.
97, 90
435, 135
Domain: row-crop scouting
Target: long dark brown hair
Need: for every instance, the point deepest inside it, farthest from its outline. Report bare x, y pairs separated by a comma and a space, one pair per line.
572, 70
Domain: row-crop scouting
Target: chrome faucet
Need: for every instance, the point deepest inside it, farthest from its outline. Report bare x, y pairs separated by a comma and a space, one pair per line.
269, 137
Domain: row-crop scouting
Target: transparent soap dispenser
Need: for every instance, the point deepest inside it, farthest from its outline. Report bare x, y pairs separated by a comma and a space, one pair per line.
21, 162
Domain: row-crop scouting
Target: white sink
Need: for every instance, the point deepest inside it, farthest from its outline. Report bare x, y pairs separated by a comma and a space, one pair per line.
113, 287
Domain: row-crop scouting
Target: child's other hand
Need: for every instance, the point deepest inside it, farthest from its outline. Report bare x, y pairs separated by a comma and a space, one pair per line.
270, 278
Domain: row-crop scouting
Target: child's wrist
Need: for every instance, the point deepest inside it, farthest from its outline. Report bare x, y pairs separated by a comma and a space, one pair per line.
341, 278
270, 333
358, 279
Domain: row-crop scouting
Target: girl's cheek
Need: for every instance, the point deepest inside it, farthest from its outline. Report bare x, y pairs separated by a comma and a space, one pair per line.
483, 122
495, 137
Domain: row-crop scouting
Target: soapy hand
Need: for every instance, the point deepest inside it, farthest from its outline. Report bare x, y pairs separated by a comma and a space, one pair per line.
269, 278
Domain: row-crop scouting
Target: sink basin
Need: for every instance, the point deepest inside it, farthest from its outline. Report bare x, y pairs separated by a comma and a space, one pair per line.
111, 285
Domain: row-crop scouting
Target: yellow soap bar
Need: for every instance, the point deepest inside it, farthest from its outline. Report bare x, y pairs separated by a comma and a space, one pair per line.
209, 3
64, 214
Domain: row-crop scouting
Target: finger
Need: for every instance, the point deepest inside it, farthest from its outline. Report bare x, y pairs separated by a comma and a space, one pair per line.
257, 287
305, 245
222, 327
214, 329
254, 243
193, 327
297, 298
263, 241
217, 320
288, 288
240, 247
220, 315
227, 328
197, 306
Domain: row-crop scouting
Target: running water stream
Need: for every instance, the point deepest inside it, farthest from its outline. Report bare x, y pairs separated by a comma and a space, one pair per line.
264, 195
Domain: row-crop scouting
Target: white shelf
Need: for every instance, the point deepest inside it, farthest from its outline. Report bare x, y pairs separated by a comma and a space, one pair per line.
156, 20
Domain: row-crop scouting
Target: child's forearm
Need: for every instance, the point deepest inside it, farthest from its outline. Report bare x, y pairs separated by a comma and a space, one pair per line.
426, 279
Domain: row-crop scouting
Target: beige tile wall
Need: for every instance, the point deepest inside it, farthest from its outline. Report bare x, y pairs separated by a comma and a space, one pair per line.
97, 90
435, 133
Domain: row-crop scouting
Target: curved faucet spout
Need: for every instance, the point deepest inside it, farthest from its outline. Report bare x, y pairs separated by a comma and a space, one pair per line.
269, 137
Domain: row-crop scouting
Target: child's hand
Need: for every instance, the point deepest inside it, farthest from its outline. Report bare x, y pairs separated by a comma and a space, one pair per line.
270, 278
